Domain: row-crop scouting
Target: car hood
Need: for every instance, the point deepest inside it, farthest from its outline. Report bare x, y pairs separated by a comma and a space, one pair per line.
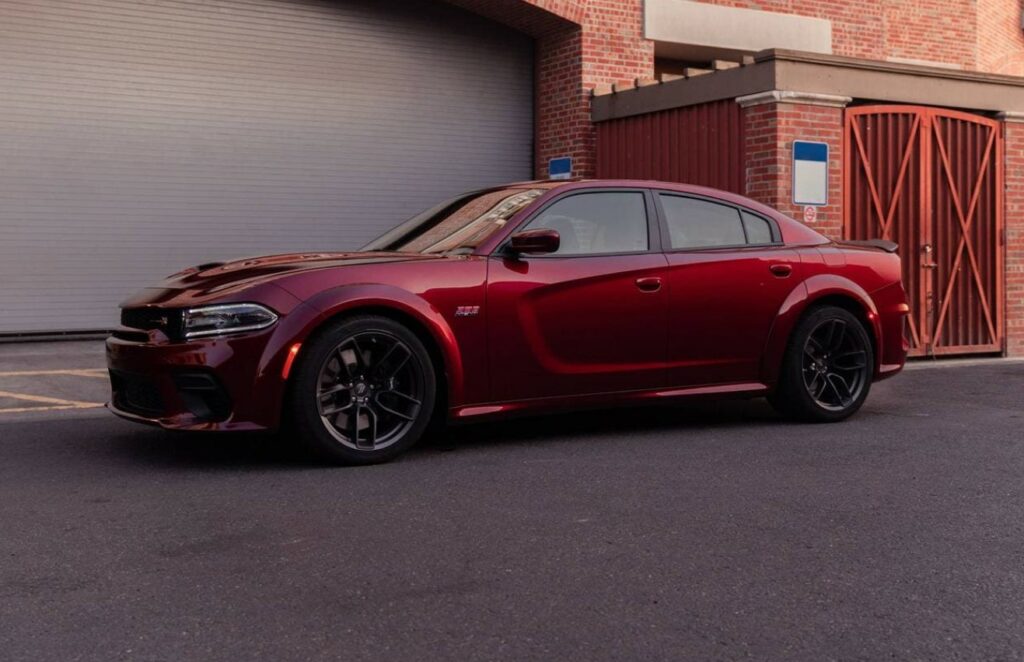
210, 282
217, 276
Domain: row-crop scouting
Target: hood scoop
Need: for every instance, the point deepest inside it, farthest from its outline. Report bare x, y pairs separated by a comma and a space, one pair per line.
188, 271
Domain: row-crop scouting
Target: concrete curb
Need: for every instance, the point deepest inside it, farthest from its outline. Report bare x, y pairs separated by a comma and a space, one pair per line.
925, 364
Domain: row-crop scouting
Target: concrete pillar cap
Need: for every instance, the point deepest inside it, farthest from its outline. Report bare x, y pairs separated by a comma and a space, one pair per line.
787, 96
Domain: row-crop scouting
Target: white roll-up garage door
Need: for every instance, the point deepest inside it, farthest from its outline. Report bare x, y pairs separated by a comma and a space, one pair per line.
139, 137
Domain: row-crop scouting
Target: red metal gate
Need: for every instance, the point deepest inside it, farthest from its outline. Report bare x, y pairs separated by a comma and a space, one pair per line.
931, 180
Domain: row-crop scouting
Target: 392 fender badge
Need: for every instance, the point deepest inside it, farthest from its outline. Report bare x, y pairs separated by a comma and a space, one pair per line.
467, 311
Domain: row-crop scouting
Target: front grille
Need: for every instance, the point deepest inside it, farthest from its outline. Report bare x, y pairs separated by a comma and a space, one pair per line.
136, 394
167, 320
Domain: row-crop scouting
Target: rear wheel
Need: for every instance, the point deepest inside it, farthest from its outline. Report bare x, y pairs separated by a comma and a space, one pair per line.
364, 391
826, 373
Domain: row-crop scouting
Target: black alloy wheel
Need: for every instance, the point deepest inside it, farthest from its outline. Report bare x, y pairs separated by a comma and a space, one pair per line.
835, 364
363, 391
370, 391
828, 367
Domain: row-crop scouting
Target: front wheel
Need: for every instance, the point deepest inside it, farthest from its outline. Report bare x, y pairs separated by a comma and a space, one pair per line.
826, 373
363, 391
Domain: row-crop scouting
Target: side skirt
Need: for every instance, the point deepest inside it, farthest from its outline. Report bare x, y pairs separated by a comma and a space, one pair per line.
595, 400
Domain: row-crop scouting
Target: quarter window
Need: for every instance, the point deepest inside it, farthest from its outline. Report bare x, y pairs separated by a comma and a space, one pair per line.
759, 231
599, 222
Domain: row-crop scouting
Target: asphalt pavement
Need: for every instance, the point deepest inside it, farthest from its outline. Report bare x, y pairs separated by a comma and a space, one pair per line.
705, 531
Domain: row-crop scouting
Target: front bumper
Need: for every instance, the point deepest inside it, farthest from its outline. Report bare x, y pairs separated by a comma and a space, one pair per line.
225, 383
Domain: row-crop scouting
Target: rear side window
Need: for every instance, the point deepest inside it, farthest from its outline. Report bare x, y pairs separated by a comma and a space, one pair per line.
599, 222
759, 231
695, 223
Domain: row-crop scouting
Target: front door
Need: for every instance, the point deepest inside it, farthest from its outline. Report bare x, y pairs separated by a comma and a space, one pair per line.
589, 318
930, 180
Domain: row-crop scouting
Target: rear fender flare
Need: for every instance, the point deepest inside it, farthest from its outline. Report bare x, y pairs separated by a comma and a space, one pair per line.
798, 302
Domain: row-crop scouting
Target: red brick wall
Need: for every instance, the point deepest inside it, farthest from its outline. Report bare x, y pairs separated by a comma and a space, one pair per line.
1014, 219
562, 106
771, 129
933, 30
1000, 38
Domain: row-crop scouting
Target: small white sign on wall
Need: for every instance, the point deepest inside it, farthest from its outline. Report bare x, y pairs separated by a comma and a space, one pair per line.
810, 173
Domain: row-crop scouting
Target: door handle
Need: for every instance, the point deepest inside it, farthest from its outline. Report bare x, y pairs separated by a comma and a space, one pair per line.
649, 284
781, 270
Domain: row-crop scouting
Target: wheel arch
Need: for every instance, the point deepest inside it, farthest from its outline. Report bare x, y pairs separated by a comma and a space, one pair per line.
855, 307
817, 291
407, 309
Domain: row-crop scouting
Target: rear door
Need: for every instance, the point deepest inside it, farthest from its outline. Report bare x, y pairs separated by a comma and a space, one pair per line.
590, 318
728, 275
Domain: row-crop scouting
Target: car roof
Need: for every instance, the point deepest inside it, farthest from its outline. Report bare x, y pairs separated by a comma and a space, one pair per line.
694, 189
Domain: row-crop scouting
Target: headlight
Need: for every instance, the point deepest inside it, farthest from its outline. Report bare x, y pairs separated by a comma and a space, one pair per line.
229, 318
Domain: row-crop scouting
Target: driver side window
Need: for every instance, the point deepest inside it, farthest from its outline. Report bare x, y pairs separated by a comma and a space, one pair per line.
596, 223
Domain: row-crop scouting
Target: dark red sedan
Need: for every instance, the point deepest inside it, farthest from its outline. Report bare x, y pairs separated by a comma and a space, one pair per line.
517, 299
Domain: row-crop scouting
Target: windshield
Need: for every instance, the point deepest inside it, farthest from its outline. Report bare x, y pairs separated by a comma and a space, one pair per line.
460, 225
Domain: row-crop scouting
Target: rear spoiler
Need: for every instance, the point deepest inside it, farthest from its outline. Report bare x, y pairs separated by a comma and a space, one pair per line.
883, 244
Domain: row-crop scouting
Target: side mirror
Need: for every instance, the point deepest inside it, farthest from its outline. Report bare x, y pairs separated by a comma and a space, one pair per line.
541, 240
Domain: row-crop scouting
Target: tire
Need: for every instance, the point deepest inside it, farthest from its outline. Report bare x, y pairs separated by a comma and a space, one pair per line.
827, 369
363, 391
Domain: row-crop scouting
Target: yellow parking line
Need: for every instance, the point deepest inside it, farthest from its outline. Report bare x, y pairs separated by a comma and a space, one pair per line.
49, 401
102, 373
85, 372
19, 410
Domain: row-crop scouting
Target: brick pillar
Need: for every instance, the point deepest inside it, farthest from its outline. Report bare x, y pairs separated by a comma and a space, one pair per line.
1013, 217
773, 120
607, 47
562, 103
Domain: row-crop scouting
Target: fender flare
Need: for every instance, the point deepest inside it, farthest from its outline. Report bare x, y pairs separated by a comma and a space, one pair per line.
338, 300
804, 296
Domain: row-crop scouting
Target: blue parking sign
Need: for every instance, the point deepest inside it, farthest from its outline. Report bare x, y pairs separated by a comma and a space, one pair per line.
560, 168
